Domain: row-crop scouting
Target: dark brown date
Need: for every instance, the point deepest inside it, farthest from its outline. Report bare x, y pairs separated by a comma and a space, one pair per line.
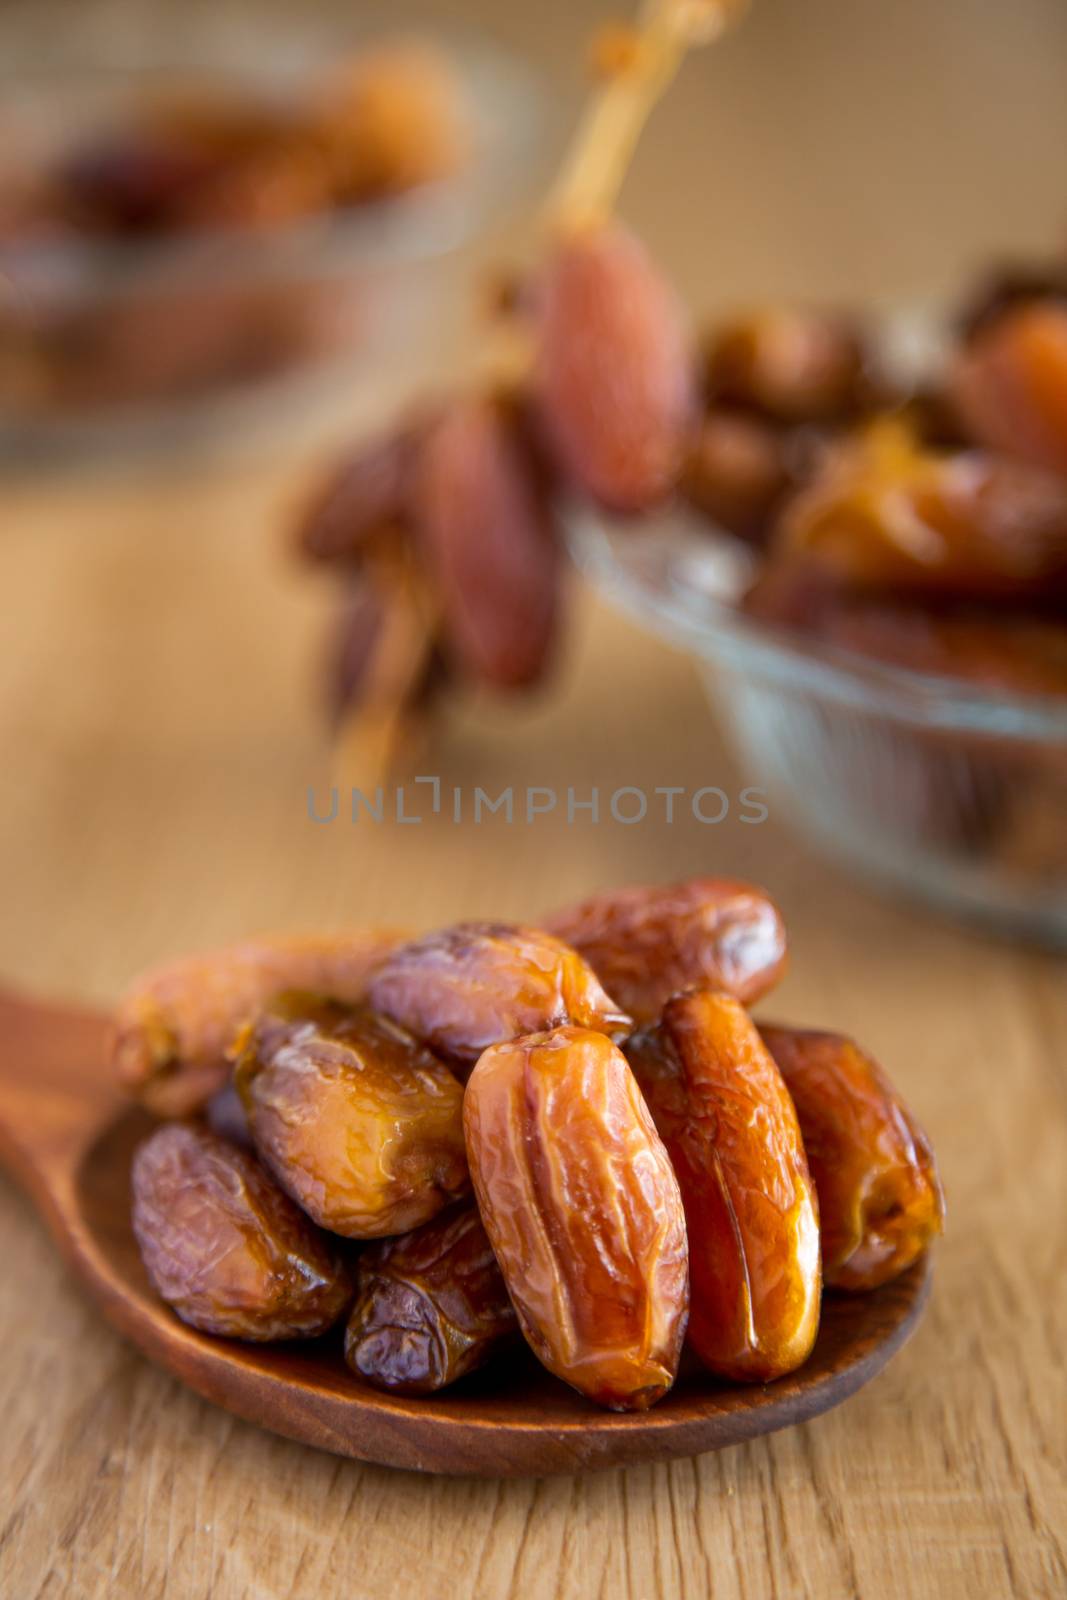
790, 365
486, 534
730, 1129
430, 1306
225, 1247
583, 1212
481, 983
880, 1201
357, 1122
363, 504
645, 944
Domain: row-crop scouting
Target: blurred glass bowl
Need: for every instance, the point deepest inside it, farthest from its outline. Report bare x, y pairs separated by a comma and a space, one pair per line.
112, 345
956, 795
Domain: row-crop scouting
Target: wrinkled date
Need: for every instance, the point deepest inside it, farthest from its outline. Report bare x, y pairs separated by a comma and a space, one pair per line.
484, 526
358, 1123
645, 944
225, 1247
583, 1212
880, 1201
481, 983
430, 1307
175, 1027
888, 514
729, 1125
614, 381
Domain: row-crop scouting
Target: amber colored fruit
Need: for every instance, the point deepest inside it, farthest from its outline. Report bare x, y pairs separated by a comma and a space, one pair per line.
583, 1212
1009, 384
225, 1247
430, 1306
730, 1129
789, 364
174, 1027
485, 531
887, 513
880, 1201
363, 503
358, 1123
613, 380
644, 944
481, 983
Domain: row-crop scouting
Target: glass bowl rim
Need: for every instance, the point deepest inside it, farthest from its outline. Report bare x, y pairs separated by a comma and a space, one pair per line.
720, 634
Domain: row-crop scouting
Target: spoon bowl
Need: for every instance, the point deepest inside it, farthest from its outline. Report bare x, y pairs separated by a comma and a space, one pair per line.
68, 1136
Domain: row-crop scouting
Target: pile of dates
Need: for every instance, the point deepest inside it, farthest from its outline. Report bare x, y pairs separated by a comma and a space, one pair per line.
206, 160
573, 1135
923, 526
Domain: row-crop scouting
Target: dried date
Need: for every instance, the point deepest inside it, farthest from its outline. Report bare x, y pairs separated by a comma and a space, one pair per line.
225, 1247
790, 365
730, 1129
1009, 384
481, 983
613, 381
583, 1212
173, 1030
880, 1200
430, 1306
888, 514
485, 530
358, 1123
644, 944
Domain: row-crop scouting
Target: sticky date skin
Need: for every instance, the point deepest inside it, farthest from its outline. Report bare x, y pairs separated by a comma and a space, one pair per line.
880, 1200
360, 1125
481, 983
730, 1129
583, 1212
430, 1307
174, 1029
645, 944
225, 1247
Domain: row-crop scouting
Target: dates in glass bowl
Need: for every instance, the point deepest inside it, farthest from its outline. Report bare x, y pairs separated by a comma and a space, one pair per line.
634, 1188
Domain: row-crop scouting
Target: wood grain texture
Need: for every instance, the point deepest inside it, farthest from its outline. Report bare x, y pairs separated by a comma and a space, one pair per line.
154, 679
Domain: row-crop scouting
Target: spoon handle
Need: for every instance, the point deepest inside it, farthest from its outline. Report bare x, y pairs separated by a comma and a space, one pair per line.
55, 1090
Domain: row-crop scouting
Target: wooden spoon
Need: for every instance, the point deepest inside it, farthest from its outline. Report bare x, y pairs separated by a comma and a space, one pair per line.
67, 1135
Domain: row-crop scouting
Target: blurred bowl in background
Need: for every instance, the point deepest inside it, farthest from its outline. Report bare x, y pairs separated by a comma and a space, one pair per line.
954, 794
113, 341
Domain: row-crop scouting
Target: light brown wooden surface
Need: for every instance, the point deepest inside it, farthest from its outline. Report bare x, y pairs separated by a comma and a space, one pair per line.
158, 746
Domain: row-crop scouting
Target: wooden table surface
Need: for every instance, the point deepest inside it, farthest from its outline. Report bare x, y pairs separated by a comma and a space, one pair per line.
158, 748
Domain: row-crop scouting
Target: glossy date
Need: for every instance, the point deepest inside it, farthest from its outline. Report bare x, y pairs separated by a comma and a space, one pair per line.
174, 1029
645, 944
480, 983
583, 1212
880, 1200
730, 1129
430, 1307
225, 1247
357, 1122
